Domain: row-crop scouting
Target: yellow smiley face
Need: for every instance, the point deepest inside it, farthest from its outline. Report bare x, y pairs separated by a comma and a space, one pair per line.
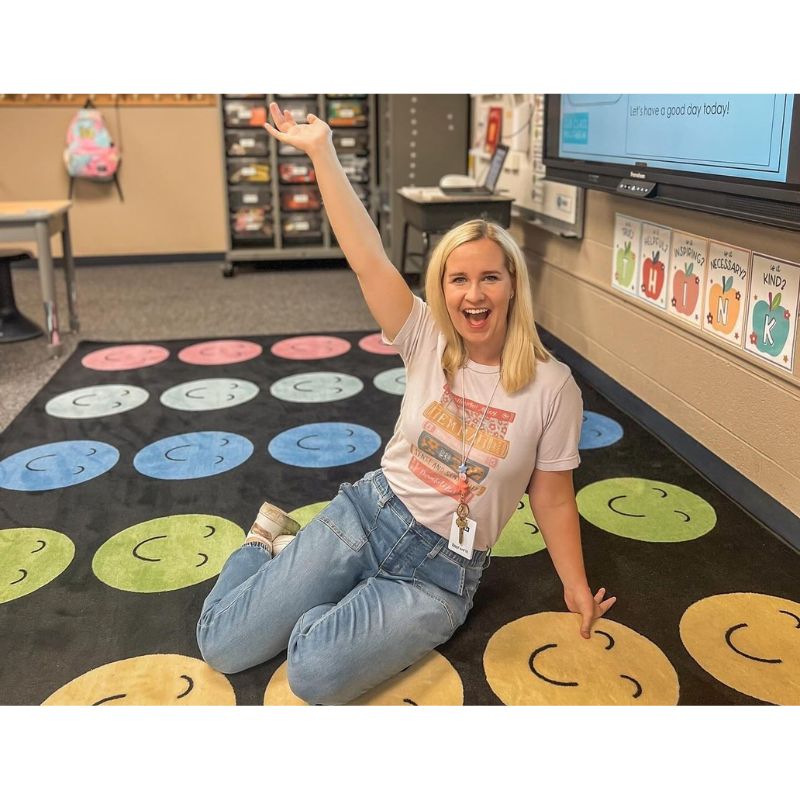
152, 680
432, 681
750, 642
542, 659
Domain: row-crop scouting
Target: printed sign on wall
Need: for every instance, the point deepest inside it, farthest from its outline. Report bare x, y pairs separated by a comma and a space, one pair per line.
654, 264
725, 293
627, 236
687, 274
773, 309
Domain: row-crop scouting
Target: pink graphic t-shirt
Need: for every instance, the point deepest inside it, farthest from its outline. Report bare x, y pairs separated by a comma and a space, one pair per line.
537, 427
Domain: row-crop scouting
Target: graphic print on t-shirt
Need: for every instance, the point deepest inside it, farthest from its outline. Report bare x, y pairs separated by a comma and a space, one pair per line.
438, 452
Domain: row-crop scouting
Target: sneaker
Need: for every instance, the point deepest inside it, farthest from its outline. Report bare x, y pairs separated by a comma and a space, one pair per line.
275, 526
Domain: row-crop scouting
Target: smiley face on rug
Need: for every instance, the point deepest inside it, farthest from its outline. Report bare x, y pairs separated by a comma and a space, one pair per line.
167, 553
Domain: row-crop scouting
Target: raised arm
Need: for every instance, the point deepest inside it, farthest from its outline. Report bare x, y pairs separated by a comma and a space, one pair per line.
386, 293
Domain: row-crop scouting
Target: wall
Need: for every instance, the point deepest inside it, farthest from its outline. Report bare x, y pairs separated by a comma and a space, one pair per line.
745, 413
172, 177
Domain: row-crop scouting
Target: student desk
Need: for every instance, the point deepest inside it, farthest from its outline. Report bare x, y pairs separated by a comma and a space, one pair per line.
38, 221
431, 211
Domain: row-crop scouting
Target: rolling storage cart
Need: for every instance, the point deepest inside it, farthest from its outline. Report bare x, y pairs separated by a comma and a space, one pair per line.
275, 210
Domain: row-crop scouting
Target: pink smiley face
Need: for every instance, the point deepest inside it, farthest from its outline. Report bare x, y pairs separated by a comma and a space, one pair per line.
126, 356
374, 344
307, 348
220, 351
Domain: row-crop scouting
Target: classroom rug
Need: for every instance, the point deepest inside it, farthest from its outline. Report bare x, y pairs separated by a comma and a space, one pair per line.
139, 467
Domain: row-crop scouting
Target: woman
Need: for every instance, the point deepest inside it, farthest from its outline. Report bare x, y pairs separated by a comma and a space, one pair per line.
388, 570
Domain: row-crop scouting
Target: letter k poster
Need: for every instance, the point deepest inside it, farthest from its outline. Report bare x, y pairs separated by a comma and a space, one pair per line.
726, 287
773, 309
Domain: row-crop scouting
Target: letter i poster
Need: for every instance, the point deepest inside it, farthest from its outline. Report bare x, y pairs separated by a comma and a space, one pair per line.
654, 264
687, 276
773, 310
627, 238
726, 287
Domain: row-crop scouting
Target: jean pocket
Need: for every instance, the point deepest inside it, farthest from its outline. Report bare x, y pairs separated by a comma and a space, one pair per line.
342, 518
442, 572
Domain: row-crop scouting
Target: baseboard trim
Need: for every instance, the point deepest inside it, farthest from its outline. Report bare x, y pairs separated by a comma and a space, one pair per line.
121, 261
778, 519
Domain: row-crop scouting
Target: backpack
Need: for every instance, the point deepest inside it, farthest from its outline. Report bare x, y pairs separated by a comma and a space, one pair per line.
90, 153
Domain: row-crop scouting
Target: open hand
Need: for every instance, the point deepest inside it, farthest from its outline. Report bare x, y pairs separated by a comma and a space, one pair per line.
309, 138
590, 608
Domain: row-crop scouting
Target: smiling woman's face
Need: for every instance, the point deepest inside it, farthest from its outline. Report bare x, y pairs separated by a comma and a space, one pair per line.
477, 290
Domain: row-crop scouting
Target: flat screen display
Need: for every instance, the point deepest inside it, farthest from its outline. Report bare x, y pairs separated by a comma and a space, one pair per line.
746, 136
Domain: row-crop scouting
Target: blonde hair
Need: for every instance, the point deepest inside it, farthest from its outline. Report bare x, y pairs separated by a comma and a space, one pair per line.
522, 347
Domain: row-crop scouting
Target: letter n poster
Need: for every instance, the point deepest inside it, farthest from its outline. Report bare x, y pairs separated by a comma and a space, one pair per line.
627, 238
773, 310
687, 277
726, 287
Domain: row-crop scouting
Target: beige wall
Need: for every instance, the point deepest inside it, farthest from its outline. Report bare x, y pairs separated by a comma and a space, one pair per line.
744, 412
172, 177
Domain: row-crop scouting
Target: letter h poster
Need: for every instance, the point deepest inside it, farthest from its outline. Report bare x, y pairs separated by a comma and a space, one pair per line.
726, 287
773, 310
654, 264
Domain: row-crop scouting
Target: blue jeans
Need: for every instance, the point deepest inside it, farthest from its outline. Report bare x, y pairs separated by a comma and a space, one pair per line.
363, 592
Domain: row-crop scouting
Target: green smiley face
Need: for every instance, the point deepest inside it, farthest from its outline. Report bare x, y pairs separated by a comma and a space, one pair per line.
646, 510
521, 535
30, 558
167, 553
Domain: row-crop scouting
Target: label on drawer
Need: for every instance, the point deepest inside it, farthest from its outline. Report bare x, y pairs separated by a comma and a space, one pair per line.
349, 141
248, 171
346, 113
300, 198
249, 198
247, 142
301, 226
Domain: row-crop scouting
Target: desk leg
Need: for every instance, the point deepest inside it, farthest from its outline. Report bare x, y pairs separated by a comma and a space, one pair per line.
404, 251
48, 288
69, 274
426, 244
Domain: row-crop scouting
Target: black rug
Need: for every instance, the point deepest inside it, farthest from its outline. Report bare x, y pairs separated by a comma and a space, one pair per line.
77, 622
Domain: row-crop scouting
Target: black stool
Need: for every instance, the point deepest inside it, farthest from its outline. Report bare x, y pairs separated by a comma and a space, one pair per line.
14, 327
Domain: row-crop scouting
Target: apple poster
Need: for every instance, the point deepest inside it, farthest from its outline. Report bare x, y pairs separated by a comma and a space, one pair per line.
726, 287
687, 275
627, 238
654, 264
773, 309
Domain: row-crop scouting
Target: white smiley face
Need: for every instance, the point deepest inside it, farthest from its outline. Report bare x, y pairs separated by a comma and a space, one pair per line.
209, 394
91, 402
316, 387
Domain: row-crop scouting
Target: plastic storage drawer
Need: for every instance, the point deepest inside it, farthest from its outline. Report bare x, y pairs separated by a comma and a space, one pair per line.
251, 224
362, 192
247, 143
298, 171
351, 142
299, 107
239, 196
300, 199
355, 167
347, 113
302, 228
244, 113
248, 170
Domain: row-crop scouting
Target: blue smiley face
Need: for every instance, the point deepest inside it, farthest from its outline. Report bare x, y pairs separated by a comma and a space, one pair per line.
193, 455
598, 431
56, 465
324, 444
